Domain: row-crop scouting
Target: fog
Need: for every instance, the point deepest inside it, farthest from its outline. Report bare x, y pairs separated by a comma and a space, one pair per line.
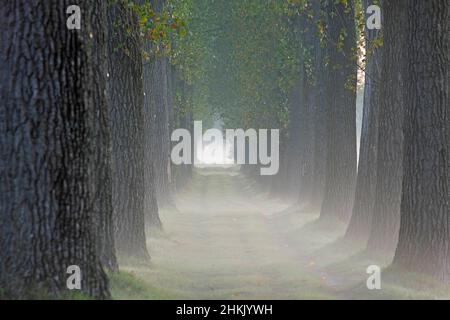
230, 240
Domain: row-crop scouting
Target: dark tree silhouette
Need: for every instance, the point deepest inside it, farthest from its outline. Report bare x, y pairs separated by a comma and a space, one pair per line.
157, 110
311, 129
341, 110
125, 93
385, 220
47, 143
318, 105
102, 132
424, 240
151, 203
361, 219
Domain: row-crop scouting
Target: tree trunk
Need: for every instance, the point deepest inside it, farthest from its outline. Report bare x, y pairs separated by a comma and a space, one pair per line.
152, 219
308, 128
385, 219
341, 109
102, 165
424, 240
306, 138
157, 107
361, 220
47, 143
318, 103
182, 118
127, 122
294, 144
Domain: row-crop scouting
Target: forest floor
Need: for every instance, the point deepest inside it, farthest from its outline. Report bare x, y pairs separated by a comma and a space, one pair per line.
229, 240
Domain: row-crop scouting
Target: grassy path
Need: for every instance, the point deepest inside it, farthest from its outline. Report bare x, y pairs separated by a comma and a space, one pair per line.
227, 241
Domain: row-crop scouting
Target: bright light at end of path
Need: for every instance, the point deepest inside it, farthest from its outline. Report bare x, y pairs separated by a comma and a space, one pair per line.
215, 153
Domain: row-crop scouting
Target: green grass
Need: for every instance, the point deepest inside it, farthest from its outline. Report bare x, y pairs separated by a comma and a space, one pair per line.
217, 247
127, 286
227, 241
401, 285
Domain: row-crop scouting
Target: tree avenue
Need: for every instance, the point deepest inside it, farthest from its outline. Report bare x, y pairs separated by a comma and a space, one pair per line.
156, 148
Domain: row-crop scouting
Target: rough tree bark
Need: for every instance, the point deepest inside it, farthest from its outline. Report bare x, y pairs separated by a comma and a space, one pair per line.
341, 109
102, 164
152, 219
385, 218
424, 240
47, 143
125, 93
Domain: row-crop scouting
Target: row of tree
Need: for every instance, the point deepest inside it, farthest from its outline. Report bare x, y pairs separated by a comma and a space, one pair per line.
397, 204
84, 136
298, 65
86, 118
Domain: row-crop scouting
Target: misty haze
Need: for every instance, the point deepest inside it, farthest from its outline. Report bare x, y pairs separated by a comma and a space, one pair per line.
224, 150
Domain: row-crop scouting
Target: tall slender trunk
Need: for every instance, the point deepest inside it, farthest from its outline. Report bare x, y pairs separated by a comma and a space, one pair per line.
341, 109
152, 219
385, 219
308, 127
318, 103
294, 144
126, 94
156, 80
361, 220
424, 240
47, 193
102, 173
182, 118
306, 138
